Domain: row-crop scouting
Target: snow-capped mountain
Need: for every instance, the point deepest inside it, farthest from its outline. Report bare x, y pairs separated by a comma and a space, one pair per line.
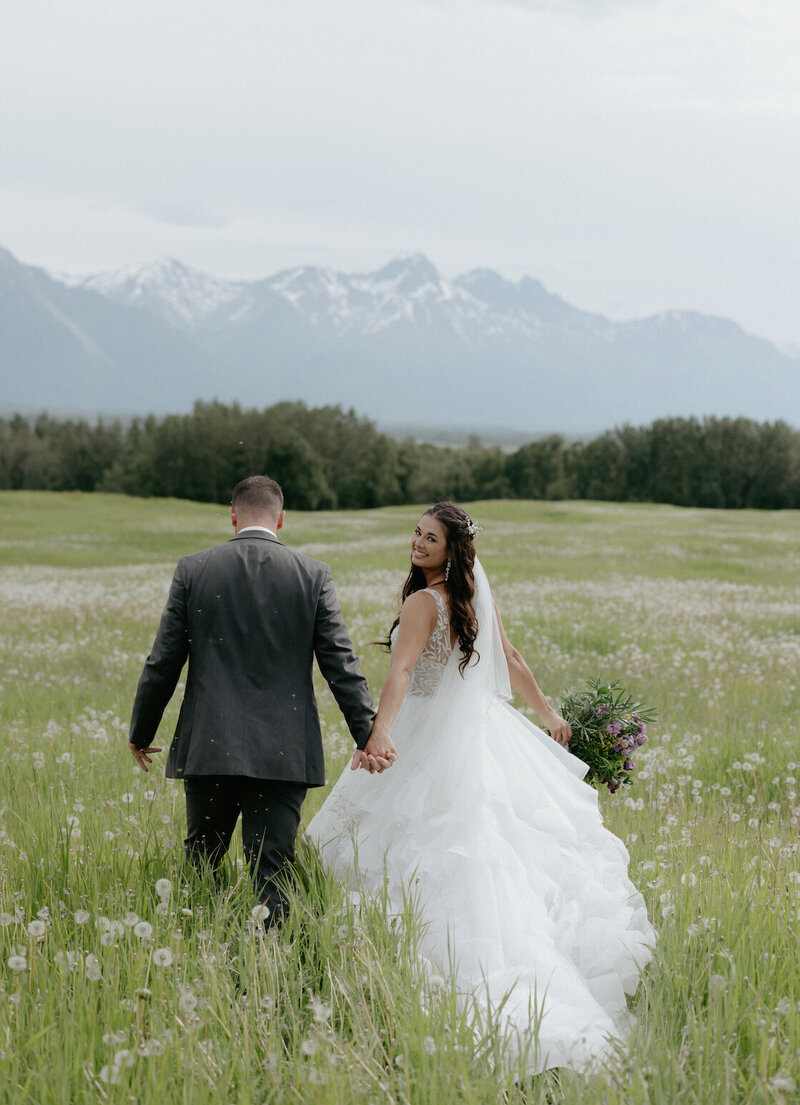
180, 295
401, 344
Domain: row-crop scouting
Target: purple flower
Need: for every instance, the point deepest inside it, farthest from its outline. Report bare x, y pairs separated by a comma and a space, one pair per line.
602, 710
628, 765
620, 746
613, 785
641, 738
614, 728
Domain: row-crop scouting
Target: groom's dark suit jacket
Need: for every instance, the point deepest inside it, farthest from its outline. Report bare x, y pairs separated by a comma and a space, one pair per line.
250, 616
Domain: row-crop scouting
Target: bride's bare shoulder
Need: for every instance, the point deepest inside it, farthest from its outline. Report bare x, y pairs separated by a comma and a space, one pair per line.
420, 606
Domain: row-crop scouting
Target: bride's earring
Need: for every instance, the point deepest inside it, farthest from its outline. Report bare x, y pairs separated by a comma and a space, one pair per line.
447, 570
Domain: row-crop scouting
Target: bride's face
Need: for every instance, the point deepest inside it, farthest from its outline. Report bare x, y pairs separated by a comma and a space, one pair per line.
428, 545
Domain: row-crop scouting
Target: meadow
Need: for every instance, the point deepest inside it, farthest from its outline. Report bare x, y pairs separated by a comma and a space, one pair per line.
124, 979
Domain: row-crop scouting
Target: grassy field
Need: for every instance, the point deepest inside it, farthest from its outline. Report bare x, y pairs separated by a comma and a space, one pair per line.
123, 981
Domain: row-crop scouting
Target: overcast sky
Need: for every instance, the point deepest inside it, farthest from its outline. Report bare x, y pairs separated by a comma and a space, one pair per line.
634, 155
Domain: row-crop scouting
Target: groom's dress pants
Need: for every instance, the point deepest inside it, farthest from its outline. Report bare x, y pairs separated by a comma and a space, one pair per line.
270, 818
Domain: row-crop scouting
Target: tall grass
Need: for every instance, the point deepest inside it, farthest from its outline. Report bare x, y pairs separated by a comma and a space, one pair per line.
125, 978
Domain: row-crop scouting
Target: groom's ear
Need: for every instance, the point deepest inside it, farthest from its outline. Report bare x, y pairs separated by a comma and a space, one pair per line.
233, 517
281, 518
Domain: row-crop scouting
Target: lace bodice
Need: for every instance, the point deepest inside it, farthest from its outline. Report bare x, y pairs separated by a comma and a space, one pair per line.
429, 669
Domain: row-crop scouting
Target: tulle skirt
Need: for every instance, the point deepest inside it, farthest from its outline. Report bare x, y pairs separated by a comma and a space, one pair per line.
486, 821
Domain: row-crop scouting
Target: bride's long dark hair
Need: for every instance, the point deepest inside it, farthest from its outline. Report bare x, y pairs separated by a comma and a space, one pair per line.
459, 532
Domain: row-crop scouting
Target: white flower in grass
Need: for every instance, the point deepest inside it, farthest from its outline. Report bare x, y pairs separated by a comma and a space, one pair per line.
437, 982
127, 798
37, 929
717, 984
107, 939
92, 968
782, 1083
259, 912
149, 795
109, 1075
163, 957
187, 1003
17, 963
163, 888
321, 1011
148, 1048
429, 1044
103, 924
144, 930
130, 919
81, 916
124, 1058
309, 1046
162, 909
784, 1007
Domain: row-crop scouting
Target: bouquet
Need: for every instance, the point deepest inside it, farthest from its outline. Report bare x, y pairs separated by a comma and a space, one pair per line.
607, 729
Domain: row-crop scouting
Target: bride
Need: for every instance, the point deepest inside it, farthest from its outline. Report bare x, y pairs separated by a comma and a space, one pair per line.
485, 819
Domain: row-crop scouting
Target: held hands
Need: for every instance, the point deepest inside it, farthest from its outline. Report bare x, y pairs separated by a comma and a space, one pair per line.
560, 729
378, 754
143, 756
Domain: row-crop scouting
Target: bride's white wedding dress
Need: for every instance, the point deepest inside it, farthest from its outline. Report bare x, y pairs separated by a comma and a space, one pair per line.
486, 820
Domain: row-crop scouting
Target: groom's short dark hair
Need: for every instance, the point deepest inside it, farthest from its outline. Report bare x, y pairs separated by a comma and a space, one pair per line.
257, 495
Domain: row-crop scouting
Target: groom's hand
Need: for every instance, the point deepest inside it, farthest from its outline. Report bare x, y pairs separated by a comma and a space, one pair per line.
143, 756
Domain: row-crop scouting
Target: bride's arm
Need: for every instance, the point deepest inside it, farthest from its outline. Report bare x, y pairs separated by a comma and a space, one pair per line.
524, 684
417, 619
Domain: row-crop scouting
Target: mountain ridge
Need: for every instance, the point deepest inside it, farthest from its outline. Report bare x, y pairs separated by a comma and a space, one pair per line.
400, 344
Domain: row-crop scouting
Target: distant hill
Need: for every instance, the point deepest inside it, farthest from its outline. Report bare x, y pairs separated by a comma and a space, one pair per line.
401, 345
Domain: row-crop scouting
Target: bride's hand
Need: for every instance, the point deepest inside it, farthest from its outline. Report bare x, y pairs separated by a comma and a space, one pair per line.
378, 754
560, 729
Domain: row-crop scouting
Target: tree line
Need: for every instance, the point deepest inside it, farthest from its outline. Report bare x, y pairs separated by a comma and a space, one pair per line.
328, 458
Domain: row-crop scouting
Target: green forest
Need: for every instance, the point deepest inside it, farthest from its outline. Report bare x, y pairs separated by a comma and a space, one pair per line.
329, 458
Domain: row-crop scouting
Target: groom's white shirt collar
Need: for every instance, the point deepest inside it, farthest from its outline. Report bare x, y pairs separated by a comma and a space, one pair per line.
261, 529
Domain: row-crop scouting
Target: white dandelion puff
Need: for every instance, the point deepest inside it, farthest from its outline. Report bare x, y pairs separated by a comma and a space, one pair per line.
187, 1003
309, 1046
124, 1058
259, 912
17, 963
81, 916
37, 929
127, 798
163, 957
321, 1011
144, 930
109, 1075
163, 888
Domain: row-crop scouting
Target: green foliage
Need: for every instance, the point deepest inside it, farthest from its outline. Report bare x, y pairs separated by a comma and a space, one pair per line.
326, 458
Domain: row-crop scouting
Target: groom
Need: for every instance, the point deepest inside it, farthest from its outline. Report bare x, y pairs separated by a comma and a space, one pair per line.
249, 616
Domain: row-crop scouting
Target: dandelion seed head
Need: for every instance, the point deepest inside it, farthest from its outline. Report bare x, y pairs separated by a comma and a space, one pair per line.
163, 957
17, 963
163, 888
81, 916
37, 929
